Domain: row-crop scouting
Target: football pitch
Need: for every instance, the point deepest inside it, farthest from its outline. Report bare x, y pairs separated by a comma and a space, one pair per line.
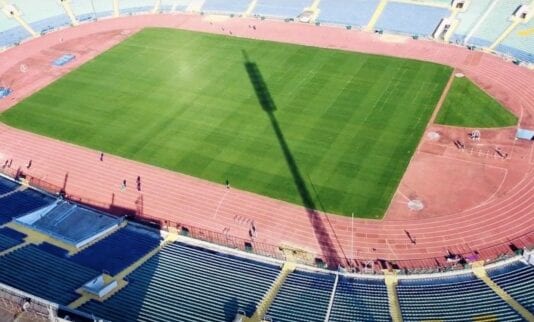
326, 129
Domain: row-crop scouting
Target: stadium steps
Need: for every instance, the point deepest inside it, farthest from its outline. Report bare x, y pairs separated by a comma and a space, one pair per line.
37, 238
394, 306
480, 272
315, 5
157, 7
314, 8
480, 22
120, 277
332, 297
269, 297
250, 8
378, 12
23, 23
116, 8
69, 12
454, 24
20, 188
511, 27
12, 249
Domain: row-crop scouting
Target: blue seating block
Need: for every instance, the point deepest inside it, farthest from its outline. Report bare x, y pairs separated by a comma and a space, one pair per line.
7, 242
44, 275
517, 279
134, 10
184, 283
22, 202
13, 234
354, 12
451, 298
281, 8
303, 297
359, 299
13, 36
224, 6
46, 25
53, 250
5, 184
411, 19
118, 251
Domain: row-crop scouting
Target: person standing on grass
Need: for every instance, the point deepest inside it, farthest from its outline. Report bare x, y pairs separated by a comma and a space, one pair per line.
227, 183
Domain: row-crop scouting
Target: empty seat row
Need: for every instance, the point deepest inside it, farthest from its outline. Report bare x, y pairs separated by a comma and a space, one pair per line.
183, 283
40, 273
7, 185
304, 296
407, 18
453, 298
7, 242
358, 299
22, 202
224, 6
518, 281
119, 250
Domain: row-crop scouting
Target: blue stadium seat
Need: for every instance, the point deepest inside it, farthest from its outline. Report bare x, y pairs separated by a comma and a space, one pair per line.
359, 299
7, 242
281, 8
170, 5
224, 6
303, 297
13, 234
517, 279
90, 10
495, 24
128, 7
353, 13
411, 19
455, 298
119, 250
13, 36
53, 250
184, 283
42, 274
22, 202
7, 185
517, 45
43, 16
468, 19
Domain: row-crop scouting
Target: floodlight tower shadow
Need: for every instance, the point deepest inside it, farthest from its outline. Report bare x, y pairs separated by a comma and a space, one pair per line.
266, 101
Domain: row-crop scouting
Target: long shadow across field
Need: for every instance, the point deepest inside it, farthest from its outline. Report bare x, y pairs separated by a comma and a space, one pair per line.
328, 248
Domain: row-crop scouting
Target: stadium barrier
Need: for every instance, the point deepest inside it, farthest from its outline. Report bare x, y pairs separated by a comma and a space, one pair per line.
447, 262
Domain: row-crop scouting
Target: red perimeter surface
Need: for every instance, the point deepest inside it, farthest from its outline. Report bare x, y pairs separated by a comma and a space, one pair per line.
473, 199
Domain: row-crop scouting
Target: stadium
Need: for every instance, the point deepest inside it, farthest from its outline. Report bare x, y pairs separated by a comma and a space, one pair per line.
266, 160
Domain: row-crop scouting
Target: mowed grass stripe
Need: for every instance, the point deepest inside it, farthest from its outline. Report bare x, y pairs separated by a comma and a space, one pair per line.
184, 101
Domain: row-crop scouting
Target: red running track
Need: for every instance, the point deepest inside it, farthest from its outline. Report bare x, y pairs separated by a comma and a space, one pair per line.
490, 203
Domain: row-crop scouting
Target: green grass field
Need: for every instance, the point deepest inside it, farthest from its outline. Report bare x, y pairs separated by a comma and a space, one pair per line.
327, 129
467, 105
